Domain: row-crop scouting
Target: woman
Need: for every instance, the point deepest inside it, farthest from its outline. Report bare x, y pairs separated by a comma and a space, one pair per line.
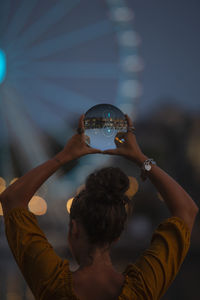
97, 219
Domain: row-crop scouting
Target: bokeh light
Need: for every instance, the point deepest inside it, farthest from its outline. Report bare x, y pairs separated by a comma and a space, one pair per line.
69, 201
160, 197
133, 63
131, 88
133, 187
122, 14
129, 38
2, 65
2, 188
13, 180
69, 204
37, 205
2, 182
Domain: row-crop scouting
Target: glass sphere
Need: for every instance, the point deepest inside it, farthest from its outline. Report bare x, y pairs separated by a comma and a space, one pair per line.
103, 123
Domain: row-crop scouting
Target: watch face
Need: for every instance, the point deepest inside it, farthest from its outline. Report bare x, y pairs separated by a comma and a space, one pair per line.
148, 167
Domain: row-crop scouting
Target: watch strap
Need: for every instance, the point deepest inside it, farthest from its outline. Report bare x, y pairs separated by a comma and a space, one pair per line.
146, 167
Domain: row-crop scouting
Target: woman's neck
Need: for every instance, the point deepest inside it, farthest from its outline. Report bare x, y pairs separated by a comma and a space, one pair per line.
98, 259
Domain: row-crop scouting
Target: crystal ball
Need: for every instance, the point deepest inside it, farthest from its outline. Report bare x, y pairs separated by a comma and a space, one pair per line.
103, 123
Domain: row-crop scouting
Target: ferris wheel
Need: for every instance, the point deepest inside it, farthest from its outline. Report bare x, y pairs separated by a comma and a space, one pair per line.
57, 59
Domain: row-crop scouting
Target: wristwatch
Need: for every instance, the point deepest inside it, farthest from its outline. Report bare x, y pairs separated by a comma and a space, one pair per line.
146, 167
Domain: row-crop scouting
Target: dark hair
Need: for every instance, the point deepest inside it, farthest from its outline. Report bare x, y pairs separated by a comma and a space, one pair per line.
100, 207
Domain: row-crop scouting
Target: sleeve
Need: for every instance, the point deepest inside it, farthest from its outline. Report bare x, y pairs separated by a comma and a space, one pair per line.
34, 255
157, 267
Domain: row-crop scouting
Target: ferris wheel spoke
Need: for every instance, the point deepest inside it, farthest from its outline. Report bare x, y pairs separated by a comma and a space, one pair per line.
37, 103
68, 69
66, 41
19, 19
66, 99
31, 147
52, 121
46, 21
42, 114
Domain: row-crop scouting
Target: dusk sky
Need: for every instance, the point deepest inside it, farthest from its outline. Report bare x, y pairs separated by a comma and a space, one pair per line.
170, 32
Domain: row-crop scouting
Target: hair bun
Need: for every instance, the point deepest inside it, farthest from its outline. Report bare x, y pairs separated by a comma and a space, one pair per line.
112, 182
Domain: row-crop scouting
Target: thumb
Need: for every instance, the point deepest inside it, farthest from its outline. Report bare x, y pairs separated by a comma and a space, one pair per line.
94, 150
111, 151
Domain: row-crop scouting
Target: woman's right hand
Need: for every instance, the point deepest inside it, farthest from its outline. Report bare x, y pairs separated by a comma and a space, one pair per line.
129, 148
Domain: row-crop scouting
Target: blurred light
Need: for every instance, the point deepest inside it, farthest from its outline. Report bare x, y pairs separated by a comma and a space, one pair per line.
129, 38
69, 204
160, 197
2, 66
2, 182
37, 205
122, 14
13, 180
2, 188
133, 187
131, 88
133, 63
1, 210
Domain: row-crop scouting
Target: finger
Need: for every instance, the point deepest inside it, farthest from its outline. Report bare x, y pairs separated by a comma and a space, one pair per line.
111, 151
91, 150
94, 150
129, 121
87, 140
81, 121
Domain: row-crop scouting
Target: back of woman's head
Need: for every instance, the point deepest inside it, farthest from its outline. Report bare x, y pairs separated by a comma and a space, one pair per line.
100, 206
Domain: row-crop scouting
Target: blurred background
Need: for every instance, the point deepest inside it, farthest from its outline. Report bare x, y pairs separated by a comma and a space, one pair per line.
59, 58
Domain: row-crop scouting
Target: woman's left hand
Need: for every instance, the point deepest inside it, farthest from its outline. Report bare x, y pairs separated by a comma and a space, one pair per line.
76, 146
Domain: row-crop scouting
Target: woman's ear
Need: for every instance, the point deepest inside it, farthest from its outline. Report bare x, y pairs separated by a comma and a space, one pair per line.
74, 228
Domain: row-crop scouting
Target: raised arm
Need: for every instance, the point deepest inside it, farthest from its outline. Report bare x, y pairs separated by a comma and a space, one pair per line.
179, 203
20, 192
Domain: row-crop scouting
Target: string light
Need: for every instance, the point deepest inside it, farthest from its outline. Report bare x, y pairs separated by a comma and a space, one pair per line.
129, 38
13, 180
2, 189
131, 88
37, 205
2, 182
69, 204
133, 187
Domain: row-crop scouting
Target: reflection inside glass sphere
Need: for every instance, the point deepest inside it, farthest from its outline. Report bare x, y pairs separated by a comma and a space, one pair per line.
104, 125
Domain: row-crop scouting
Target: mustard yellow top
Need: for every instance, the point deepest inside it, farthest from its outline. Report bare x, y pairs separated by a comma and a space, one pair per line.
49, 276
